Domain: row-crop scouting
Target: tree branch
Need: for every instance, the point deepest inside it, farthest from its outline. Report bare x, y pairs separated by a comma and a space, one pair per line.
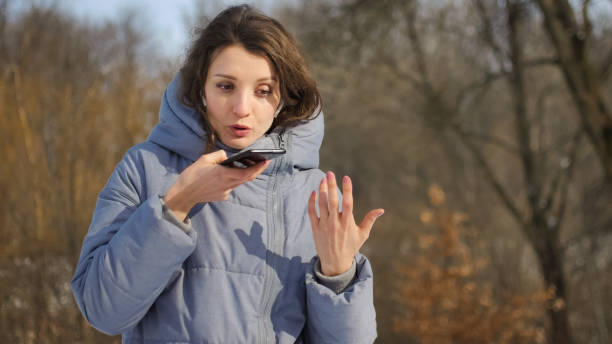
566, 181
589, 233
606, 68
587, 26
565, 171
490, 176
392, 64
413, 35
494, 141
487, 33
491, 77
569, 41
517, 87
541, 61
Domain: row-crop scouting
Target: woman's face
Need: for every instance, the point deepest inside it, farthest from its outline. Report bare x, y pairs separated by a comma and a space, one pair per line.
242, 95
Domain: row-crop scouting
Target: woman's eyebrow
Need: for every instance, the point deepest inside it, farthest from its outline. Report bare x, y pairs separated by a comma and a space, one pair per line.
231, 77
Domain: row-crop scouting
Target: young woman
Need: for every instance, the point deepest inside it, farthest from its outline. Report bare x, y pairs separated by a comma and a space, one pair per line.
184, 250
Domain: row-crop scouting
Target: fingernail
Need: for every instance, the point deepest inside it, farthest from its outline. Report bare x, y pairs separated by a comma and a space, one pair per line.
330, 175
379, 214
323, 180
345, 179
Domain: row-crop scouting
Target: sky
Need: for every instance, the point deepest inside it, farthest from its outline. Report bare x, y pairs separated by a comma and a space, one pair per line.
164, 19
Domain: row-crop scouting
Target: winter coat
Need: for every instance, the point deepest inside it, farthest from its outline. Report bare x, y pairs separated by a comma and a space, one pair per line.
240, 272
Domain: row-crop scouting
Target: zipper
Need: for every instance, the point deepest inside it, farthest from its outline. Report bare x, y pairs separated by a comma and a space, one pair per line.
281, 141
275, 221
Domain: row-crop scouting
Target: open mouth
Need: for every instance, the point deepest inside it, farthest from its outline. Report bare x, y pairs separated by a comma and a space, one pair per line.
239, 127
240, 130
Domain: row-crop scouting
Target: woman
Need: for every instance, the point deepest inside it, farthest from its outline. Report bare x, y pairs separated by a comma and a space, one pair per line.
184, 250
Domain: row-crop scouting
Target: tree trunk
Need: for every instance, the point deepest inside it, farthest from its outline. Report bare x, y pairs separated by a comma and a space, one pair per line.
543, 237
551, 265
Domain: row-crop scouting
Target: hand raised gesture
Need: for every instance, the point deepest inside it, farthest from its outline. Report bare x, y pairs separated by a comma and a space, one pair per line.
337, 237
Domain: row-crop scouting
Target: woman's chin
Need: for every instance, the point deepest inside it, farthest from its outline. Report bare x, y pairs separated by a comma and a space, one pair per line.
237, 142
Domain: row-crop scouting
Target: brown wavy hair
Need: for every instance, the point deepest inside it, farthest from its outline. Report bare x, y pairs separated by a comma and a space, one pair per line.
262, 36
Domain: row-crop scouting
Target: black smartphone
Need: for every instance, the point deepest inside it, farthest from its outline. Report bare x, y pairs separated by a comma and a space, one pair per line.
251, 157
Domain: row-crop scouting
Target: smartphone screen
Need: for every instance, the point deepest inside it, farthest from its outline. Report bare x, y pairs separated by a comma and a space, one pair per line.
251, 157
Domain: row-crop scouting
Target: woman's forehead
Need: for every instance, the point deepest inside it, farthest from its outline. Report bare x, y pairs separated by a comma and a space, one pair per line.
235, 62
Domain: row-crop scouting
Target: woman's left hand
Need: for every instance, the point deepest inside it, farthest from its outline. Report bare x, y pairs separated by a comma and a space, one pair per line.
337, 237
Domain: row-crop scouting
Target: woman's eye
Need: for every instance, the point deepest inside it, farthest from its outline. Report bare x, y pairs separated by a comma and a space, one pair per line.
264, 91
225, 86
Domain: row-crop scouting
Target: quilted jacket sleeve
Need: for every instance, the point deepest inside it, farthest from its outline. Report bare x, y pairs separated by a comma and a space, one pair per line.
129, 254
347, 317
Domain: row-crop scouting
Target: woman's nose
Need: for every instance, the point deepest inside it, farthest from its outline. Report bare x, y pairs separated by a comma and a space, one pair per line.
242, 104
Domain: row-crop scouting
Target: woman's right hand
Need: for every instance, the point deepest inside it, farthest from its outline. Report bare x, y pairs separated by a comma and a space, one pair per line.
207, 181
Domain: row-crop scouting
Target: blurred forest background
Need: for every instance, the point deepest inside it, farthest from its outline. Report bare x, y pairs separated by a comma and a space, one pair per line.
483, 127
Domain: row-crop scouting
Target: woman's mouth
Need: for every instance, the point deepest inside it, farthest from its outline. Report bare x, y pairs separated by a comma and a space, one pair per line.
240, 130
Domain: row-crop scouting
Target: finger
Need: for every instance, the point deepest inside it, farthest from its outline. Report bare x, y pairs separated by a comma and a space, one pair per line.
347, 197
332, 190
214, 157
245, 174
369, 219
233, 174
257, 169
323, 211
312, 212
242, 175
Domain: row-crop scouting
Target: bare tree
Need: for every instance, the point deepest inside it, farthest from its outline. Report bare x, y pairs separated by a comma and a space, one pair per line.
541, 221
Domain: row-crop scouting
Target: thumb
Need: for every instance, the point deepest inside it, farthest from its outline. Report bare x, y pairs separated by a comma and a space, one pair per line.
370, 218
215, 157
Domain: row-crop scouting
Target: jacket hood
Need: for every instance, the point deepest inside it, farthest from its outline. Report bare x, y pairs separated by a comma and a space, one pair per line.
181, 130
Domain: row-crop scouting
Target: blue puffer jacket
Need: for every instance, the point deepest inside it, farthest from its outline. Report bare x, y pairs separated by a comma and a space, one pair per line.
242, 272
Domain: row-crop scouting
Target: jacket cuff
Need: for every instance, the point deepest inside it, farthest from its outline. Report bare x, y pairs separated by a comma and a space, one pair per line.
336, 283
348, 317
168, 215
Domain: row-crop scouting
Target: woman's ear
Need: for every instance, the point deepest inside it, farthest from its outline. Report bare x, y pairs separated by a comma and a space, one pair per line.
204, 101
279, 108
